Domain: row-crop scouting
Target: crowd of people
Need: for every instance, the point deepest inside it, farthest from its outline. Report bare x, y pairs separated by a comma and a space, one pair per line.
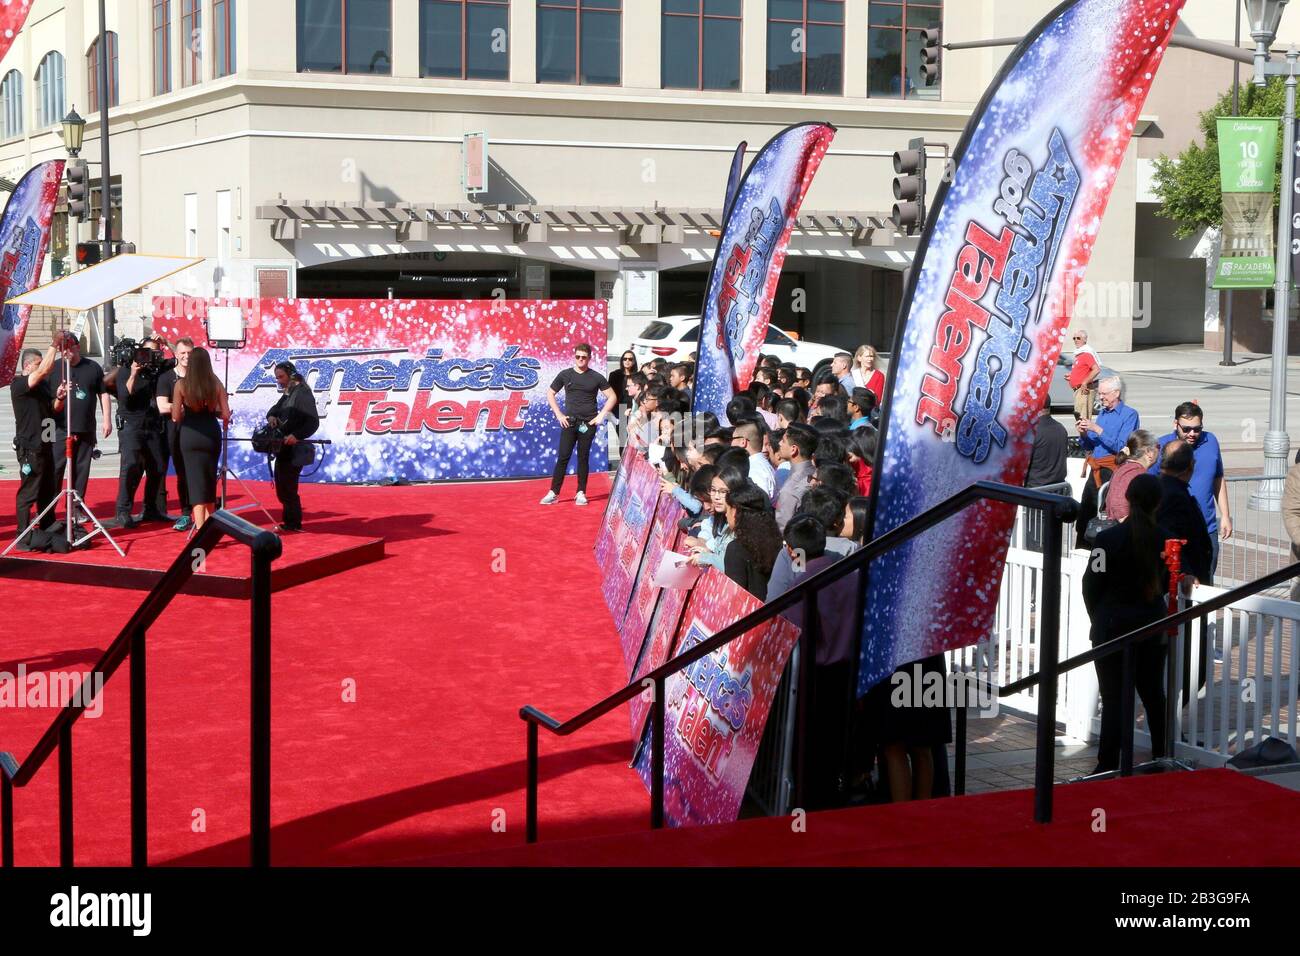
169, 411
776, 494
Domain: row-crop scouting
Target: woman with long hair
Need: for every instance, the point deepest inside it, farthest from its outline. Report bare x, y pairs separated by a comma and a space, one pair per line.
1137, 455
709, 547
1124, 588
749, 558
855, 519
198, 401
865, 374
862, 457
627, 367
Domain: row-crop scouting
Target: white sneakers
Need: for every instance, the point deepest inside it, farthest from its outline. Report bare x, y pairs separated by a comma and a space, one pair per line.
551, 497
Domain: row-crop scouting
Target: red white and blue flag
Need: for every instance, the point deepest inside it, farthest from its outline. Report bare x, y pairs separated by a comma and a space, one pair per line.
747, 266
24, 238
986, 310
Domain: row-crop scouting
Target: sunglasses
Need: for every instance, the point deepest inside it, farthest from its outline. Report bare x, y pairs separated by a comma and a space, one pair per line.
1192, 429
1078, 338
582, 358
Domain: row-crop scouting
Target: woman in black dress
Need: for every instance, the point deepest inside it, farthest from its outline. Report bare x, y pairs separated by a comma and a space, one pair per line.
627, 367
199, 407
750, 556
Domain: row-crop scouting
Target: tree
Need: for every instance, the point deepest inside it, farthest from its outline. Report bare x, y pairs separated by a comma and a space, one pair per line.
1189, 188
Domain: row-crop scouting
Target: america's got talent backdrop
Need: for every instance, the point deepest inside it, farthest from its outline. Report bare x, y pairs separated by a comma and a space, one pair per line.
629, 519
24, 238
716, 708
640, 608
747, 265
420, 389
986, 310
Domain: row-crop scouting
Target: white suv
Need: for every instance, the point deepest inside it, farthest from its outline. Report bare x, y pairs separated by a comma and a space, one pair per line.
675, 337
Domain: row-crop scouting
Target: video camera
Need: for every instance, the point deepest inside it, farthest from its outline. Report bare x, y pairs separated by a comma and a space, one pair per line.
151, 361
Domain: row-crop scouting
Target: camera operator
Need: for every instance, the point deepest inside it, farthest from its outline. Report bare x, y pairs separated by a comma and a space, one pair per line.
85, 391
140, 431
33, 412
171, 448
295, 415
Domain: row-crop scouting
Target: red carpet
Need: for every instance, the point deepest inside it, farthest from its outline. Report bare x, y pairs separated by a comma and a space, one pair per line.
1206, 818
484, 602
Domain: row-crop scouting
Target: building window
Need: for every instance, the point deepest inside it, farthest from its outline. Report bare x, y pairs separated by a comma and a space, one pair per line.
11, 96
92, 72
162, 47
579, 41
223, 37
894, 47
192, 31
50, 103
700, 45
805, 46
191, 224
465, 39
224, 249
345, 36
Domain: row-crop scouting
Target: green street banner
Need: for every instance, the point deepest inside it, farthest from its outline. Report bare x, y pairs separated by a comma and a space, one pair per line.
1247, 164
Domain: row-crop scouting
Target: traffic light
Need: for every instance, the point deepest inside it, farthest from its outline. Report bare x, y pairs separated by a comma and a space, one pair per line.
930, 49
909, 187
78, 173
89, 253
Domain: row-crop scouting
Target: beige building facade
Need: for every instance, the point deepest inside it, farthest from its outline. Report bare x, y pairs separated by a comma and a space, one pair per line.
315, 147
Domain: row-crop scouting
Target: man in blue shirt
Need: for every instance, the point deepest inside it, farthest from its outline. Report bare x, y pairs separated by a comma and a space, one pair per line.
1102, 438
1207, 485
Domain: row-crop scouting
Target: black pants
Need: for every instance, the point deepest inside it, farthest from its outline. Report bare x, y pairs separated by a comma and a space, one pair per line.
83, 448
1088, 506
568, 438
1149, 679
37, 487
172, 454
286, 487
142, 449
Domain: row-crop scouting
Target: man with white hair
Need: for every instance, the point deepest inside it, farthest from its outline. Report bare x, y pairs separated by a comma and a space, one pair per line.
1102, 438
1083, 375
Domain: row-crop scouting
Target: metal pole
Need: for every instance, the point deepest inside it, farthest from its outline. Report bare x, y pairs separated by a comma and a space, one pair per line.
657, 717
139, 755
1236, 109
260, 796
106, 172
1277, 445
1050, 632
530, 805
6, 820
65, 795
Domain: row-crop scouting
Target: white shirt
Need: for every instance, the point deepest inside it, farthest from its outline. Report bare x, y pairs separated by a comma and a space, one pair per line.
761, 473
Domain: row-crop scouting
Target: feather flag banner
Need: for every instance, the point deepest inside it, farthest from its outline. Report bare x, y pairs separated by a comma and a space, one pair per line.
986, 311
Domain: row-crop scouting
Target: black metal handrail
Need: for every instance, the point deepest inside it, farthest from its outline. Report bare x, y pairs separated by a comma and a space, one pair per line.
1058, 507
1126, 644
265, 547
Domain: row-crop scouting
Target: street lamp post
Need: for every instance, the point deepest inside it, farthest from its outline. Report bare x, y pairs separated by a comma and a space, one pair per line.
1277, 445
106, 174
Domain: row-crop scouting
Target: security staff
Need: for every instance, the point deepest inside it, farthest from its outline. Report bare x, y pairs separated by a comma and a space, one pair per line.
140, 441
166, 387
296, 416
33, 403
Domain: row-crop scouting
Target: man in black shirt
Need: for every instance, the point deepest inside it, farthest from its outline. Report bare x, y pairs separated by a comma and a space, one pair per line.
580, 421
85, 392
1051, 446
1179, 516
140, 442
34, 436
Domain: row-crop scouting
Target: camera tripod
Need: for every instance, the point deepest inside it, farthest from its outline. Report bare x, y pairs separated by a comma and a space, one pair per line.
72, 502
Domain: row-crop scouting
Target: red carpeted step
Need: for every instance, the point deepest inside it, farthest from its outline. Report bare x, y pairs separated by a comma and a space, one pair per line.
1201, 818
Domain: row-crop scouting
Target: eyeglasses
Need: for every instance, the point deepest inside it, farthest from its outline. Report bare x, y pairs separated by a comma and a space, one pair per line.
1191, 429
1078, 338
582, 358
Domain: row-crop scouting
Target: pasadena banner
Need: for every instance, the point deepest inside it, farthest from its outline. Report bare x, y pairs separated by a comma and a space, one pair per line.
986, 310
417, 389
1247, 169
717, 707
24, 238
747, 265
